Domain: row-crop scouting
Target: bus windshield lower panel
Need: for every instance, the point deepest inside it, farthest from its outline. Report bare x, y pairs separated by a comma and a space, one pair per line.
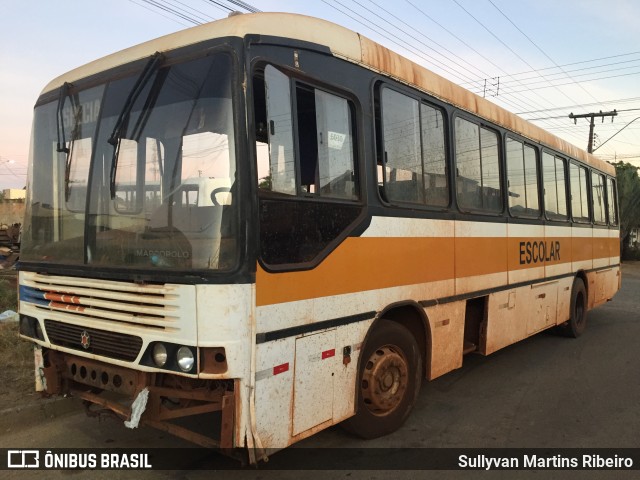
159, 194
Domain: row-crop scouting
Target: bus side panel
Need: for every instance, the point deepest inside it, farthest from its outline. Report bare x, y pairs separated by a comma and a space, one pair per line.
480, 256
349, 344
523, 265
614, 246
564, 299
543, 308
521, 312
314, 372
507, 318
603, 285
290, 369
601, 256
273, 395
446, 323
581, 248
560, 236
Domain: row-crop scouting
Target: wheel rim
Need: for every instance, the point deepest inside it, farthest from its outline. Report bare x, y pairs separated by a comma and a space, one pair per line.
384, 380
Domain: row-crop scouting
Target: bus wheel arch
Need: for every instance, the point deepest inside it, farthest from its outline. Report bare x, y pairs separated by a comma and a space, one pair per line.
390, 372
412, 317
578, 307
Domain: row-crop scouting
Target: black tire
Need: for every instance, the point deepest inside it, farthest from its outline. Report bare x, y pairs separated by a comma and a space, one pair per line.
390, 361
577, 323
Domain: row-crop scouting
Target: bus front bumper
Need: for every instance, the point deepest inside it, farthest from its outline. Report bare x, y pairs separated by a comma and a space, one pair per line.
174, 404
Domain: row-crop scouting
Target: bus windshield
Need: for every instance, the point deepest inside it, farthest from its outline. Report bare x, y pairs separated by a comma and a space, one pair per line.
160, 196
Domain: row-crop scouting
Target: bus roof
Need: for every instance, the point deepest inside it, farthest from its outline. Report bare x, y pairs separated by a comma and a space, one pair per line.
346, 44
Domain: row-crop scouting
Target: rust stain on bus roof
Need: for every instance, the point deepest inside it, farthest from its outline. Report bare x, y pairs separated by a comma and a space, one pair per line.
386, 61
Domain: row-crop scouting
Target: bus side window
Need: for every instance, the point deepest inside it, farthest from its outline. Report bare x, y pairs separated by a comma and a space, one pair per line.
335, 176
612, 201
434, 159
323, 126
414, 153
598, 198
402, 158
478, 167
281, 174
522, 179
579, 193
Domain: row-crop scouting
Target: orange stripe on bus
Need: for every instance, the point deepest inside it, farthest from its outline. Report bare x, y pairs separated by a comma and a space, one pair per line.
361, 264
370, 263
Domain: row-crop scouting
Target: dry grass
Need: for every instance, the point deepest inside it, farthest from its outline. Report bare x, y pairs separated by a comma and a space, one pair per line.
16, 355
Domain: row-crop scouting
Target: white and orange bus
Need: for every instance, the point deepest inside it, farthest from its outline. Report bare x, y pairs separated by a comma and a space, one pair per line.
274, 222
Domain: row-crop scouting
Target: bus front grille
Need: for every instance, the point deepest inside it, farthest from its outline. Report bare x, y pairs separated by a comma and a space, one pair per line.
109, 305
99, 342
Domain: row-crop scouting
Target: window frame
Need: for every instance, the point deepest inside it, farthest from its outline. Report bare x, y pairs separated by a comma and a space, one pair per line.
604, 197
296, 80
589, 218
612, 181
538, 161
352, 212
380, 149
567, 189
501, 163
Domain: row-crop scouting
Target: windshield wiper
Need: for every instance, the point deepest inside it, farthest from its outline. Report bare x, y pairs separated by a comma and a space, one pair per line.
121, 123
62, 140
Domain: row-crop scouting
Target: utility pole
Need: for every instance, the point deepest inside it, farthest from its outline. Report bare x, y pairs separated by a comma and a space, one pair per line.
591, 125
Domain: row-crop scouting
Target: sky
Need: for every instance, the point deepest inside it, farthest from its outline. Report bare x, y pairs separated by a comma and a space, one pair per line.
541, 59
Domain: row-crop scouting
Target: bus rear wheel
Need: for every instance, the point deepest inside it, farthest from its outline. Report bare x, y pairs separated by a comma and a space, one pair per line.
577, 322
388, 382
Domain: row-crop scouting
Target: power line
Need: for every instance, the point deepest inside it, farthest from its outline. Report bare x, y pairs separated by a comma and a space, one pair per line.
417, 44
217, 7
528, 38
636, 62
169, 9
204, 16
221, 5
504, 44
579, 63
244, 5
467, 45
608, 102
392, 37
181, 11
158, 13
570, 83
433, 41
540, 49
617, 132
406, 44
549, 81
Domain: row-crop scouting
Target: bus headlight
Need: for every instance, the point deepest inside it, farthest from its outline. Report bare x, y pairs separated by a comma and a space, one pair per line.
185, 359
159, 354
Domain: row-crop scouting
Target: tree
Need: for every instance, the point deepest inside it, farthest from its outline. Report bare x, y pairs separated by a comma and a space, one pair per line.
628, 200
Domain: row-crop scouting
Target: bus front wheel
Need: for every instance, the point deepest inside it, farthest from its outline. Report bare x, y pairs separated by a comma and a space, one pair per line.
388, 382
577, 322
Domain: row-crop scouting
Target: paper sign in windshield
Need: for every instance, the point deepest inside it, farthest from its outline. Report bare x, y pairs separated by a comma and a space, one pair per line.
336, 140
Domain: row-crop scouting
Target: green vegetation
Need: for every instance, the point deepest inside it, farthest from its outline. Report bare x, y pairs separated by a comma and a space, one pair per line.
16, 355
629, 202
8, 294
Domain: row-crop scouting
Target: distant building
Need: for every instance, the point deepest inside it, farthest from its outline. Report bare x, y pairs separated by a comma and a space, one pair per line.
14, 194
